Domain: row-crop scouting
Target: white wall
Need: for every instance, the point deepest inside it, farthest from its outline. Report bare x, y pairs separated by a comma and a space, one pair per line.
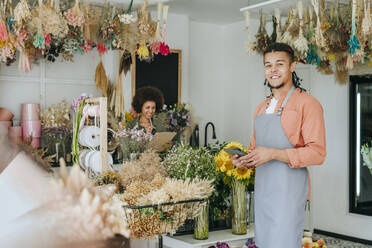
207, 77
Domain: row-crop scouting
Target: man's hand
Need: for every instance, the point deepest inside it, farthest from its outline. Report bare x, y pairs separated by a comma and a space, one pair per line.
257, 157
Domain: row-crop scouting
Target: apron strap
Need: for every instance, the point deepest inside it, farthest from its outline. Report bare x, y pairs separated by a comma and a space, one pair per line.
285, 100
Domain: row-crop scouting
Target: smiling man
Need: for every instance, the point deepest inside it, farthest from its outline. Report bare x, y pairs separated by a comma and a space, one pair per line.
289, 134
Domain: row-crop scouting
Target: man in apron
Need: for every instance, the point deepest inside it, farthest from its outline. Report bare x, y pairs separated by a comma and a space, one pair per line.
288, 135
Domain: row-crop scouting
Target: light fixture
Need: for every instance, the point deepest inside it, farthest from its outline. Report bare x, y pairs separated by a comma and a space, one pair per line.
253, 6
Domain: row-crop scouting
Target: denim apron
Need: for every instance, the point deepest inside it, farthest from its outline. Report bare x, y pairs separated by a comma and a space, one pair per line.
280, 191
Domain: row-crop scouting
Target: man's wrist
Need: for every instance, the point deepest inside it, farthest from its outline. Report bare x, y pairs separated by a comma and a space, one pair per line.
273, 153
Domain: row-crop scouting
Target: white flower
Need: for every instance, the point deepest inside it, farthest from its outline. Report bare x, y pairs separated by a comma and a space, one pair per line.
127, 18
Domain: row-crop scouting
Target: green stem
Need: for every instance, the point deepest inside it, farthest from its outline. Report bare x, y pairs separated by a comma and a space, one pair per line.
75, 143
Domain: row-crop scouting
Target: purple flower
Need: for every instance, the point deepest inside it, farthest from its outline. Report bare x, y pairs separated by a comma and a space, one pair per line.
222, 245
174, 122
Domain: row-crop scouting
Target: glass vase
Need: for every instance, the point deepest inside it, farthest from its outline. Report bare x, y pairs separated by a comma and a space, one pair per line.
201, 226
239, 213
250, 207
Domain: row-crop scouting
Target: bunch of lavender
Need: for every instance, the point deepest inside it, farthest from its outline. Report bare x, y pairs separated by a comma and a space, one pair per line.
179, 116
133, 141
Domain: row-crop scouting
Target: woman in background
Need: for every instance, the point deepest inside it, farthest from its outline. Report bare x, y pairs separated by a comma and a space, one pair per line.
147, 101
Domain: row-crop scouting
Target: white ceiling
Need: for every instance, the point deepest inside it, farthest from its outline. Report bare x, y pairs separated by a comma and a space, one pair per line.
223, 11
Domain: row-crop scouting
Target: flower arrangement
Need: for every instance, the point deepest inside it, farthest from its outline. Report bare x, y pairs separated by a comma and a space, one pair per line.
367, 155
179, 116
183, 162
145, 184
57, 115
224, 165
47, 30
133, 141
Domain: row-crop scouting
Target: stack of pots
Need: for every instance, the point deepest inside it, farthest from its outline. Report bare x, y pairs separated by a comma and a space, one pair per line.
31, 123
15, 132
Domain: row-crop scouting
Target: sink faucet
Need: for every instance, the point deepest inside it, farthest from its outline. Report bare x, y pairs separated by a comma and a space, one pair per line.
206, 132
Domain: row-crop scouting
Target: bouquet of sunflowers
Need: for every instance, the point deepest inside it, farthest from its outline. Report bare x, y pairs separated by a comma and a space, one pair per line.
224, 165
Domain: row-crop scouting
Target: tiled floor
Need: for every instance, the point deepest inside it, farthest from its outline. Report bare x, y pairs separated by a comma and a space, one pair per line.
339, 243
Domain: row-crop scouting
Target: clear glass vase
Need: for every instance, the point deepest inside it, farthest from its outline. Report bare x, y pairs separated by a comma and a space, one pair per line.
201, 226
250, 207
239, 213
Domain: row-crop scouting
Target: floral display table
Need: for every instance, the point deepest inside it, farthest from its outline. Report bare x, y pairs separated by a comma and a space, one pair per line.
188, 241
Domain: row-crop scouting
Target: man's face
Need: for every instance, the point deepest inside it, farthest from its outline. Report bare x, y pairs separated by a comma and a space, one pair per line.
278, 69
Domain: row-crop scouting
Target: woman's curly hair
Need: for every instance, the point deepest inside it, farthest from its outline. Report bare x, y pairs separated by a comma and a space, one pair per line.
145, 94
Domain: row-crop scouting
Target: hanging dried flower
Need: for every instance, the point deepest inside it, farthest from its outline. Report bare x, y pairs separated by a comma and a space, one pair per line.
155, 47
367, 22
278, 24
39, 41
250, 45
101, 49
262, 37
22, 12
287, 37
127, 18
301, 43
164, 49
143, 51
73, 19
319, 37
3, 31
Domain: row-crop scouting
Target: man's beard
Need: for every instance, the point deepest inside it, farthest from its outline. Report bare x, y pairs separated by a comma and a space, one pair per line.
275, 87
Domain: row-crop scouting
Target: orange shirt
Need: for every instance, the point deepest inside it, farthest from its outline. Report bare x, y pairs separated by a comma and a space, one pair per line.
303, 123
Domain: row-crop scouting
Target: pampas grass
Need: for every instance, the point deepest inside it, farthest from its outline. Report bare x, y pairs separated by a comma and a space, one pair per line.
100, 78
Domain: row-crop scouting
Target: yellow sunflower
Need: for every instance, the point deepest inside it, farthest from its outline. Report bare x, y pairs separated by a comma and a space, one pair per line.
242, 173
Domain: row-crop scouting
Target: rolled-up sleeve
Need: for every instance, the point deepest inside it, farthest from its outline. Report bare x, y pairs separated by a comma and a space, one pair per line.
313, 152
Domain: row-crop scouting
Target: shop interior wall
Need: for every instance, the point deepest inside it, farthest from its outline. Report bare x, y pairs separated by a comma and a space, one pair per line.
224, 86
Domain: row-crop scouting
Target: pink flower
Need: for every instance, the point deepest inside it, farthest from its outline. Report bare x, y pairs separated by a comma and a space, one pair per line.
155, 47
48, 39
164, 49
101, 49
3, 31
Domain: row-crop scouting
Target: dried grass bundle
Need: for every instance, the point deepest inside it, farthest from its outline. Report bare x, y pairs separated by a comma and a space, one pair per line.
142, 169
337, 34
119, 96
320, 40
188, 189
38, 155
78, 211
300, 44
262, 37
46, 19
250, 45
367, 22
324, 68
150, 221
341, 72
100, 78
22, 12
324, 24
286, 37
278, 24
